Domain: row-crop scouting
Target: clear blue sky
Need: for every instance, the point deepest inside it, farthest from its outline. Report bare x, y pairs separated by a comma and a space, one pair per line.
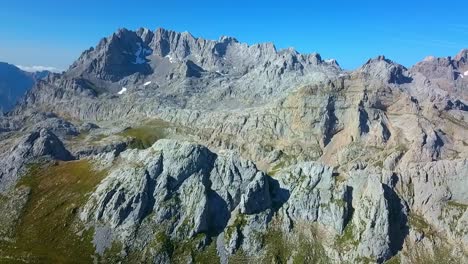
53, 33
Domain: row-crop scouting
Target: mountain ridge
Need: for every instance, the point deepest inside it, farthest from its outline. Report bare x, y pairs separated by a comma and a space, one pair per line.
14, 83
180, 149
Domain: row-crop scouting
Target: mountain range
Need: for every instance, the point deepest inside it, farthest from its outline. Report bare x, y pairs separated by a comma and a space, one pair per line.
161, 147
14, 83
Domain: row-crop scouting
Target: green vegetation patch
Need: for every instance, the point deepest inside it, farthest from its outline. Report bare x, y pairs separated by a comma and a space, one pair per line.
394, 260
112, 254
146, 135
418, 223
276, 168
300, 249
239, 223
195, 250
457, 205
277, 247
48, 230
452, 212
285, 161
347, 240
442, 253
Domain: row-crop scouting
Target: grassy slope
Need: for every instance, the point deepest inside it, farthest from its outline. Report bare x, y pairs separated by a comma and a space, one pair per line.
144, 136
48, 231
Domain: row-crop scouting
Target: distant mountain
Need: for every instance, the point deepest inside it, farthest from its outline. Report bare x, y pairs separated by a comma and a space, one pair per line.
39, 75
14, 83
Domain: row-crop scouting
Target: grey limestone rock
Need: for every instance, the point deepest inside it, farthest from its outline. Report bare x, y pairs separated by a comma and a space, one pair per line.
41, 144
175, 183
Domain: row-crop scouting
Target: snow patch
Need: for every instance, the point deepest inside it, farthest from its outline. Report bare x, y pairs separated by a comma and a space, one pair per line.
122, 91
140, 54
171, 60
147, 83
466, 73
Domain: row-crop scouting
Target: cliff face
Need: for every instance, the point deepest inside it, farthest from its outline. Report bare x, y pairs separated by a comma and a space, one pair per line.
217, 150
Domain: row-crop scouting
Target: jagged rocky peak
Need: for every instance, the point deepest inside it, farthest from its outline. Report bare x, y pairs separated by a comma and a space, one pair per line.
432, 62
462, 56
447, 68
126, 52
121, 54
228, 39
145, 34
381, 68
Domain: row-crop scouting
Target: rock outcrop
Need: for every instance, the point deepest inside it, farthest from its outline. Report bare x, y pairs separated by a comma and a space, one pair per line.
185, 188
41, 144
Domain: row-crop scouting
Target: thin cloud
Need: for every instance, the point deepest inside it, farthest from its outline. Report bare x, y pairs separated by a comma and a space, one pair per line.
37, 68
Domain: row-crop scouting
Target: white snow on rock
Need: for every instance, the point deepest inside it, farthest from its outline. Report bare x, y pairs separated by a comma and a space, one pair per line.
147, 83
140, 54
171, 60
122, 91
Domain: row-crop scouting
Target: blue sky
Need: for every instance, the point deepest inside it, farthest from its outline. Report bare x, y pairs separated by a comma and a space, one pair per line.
54, 33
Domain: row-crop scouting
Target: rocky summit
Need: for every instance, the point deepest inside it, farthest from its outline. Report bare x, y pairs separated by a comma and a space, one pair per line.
161, 147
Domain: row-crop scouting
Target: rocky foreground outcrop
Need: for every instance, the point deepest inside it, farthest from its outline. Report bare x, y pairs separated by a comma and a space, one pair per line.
182, 191
35, 147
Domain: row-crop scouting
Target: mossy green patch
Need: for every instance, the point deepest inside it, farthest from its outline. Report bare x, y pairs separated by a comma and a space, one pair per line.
277, 246
239, 222
452, 213
276, 168
394, 260
112, 254
240, 257
145, 135
207, 255
442, 253
310, 251
284, 161
164, 243
458, 205
48, 230
195, 249
347, 241
418, 222
280, 248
